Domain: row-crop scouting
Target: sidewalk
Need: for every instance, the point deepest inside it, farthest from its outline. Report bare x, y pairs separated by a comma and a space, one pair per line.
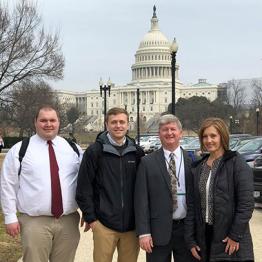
85, 248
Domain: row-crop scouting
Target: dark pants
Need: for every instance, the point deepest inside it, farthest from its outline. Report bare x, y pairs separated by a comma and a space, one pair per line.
176, 246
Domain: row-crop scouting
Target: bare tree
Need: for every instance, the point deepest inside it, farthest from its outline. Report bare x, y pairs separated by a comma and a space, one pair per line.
257, 93
72, 115
236, 95
25, 98
194, 110
27, 52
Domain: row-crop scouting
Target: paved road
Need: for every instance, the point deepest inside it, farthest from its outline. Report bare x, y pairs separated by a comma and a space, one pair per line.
85, 248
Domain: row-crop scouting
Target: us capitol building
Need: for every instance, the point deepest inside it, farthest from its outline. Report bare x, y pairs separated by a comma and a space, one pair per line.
151, 73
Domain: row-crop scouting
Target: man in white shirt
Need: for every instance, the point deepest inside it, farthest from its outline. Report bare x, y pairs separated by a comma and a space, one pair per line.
43, 193
160, 196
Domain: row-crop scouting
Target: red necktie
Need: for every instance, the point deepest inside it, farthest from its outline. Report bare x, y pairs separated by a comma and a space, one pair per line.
57, 203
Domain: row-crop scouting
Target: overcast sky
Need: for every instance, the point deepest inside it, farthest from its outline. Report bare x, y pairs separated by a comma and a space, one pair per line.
218, 40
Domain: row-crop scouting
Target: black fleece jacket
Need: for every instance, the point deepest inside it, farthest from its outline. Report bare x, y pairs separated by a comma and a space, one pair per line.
106, 179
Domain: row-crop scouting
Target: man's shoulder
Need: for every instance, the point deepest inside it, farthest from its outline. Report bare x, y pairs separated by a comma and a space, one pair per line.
15, 148
69, 144
152, 156
95, 148
64, 140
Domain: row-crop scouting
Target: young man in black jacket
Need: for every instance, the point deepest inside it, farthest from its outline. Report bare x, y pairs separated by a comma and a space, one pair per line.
105, 190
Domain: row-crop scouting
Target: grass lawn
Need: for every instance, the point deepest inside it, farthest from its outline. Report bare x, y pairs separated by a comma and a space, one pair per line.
10, 248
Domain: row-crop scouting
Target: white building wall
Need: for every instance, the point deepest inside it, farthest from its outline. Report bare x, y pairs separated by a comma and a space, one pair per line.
151, 73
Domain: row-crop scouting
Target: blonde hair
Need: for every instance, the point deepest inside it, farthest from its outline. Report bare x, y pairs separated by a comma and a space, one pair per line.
116, 111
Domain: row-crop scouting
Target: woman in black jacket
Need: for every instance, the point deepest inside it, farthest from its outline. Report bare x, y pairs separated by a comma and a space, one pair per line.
221, 200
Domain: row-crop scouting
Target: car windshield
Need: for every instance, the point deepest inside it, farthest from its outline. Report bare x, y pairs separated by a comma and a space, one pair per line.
252, 145
233, 142
194, 143
240, 144
186, 140
144, 138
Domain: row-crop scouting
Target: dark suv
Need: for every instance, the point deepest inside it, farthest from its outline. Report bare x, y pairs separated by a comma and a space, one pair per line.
257, 172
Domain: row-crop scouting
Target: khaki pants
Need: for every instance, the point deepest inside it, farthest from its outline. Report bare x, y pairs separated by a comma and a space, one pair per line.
107, 240
47, 238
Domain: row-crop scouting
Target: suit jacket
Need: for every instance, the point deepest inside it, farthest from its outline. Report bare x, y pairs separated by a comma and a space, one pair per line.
153, 197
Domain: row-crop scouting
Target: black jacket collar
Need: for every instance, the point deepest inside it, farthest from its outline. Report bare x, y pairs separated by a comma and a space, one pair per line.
227, 155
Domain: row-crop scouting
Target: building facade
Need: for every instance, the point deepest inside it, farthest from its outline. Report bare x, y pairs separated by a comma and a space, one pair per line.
151, 73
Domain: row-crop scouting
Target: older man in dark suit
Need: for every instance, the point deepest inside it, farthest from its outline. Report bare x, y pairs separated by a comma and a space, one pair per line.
160, 196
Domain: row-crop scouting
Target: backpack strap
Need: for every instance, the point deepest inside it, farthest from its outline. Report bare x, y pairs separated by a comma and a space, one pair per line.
22, 151
24, 145
73, 145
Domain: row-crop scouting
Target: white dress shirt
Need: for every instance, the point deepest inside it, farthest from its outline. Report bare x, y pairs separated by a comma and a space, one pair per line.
180, 212
30, 193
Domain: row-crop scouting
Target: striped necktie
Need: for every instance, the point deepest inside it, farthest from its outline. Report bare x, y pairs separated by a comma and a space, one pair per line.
172, 173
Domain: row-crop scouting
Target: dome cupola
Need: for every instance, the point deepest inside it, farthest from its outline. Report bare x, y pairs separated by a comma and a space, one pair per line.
153, 58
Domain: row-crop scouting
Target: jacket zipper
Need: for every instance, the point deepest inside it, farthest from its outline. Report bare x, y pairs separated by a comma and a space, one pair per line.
122, 190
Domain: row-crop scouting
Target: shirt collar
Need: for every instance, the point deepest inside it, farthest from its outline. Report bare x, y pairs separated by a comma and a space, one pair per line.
113, 142
44, 141
177, 153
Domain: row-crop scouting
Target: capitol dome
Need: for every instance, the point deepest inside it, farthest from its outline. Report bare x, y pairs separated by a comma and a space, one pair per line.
154, 38
153, 58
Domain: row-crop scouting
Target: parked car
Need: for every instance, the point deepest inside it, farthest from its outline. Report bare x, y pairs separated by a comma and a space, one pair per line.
144, 137
185, 140
147, 142
235, 138
155, 146
257, 172
193, 149
240, 141
251, 150
193, 144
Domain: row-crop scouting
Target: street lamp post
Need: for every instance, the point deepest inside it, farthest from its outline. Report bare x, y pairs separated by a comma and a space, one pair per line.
137, 117
257, 115
237, 126
173, 50
231, 124
105, 88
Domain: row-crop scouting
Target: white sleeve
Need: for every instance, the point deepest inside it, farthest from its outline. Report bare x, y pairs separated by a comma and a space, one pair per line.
9, 184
